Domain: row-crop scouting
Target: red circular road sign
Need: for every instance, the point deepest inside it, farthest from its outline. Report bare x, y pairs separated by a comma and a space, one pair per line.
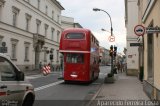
139, 30
111, 38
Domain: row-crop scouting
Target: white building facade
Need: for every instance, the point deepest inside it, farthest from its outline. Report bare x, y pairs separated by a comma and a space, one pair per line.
68, 22
131, 20
31, 30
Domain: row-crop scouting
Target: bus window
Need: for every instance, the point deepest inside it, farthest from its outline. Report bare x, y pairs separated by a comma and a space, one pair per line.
75, 58
75, 36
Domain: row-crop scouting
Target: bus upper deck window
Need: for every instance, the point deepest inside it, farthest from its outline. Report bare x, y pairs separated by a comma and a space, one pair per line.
75, 36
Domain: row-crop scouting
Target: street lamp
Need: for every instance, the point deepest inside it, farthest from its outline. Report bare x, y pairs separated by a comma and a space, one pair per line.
105, 30
97, 9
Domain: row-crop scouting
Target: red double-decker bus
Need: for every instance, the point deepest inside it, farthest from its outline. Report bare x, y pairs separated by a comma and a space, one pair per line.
80, 50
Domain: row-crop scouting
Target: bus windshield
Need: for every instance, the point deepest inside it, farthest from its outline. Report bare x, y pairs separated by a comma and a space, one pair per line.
75, 58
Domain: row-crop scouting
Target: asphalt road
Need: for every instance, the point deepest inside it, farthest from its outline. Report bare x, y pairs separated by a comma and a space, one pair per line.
51, 91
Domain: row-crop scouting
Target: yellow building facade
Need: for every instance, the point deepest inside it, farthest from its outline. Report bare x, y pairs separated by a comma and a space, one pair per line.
149, 16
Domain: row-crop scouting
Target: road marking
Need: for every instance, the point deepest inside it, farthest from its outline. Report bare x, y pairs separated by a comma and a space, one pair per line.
49, 85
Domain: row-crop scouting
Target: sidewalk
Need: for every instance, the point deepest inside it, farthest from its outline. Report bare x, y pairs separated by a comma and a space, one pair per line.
125, 88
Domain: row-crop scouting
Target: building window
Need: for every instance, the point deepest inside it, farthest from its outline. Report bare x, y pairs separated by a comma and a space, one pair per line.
26, 53
1, 38
47, 10
45, 54
38, 22
1, 6
14, 18
52, 54
14, 51
58, 34
38, 25
38, 6
27, 24
52, 15
15, 12
52, 33
28, 19
0, 12
14, 43
58, 20
57, 56
46, 29
150, 57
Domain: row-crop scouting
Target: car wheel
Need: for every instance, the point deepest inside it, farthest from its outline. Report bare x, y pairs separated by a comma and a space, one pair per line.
29, 100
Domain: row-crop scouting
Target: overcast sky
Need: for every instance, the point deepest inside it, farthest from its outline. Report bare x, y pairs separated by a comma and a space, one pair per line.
82, 12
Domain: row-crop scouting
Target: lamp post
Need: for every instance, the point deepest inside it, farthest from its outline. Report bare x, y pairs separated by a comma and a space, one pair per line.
97, 9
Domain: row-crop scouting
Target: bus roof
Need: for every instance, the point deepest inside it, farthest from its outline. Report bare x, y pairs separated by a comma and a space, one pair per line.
77, 29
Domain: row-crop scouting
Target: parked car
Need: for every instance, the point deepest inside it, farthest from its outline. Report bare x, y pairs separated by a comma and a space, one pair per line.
14, 88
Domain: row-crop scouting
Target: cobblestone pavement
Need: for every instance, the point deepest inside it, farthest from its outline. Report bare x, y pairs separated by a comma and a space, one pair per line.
128, 89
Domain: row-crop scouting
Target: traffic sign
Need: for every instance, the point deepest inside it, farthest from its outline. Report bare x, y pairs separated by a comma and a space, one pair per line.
139, 30
111, 38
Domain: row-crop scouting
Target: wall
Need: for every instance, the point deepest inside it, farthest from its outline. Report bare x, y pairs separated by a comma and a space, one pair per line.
152, 87
20, 33
131, 22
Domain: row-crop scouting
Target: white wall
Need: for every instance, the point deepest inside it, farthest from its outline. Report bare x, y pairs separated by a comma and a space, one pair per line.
132, 8
67, 22
19, 32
